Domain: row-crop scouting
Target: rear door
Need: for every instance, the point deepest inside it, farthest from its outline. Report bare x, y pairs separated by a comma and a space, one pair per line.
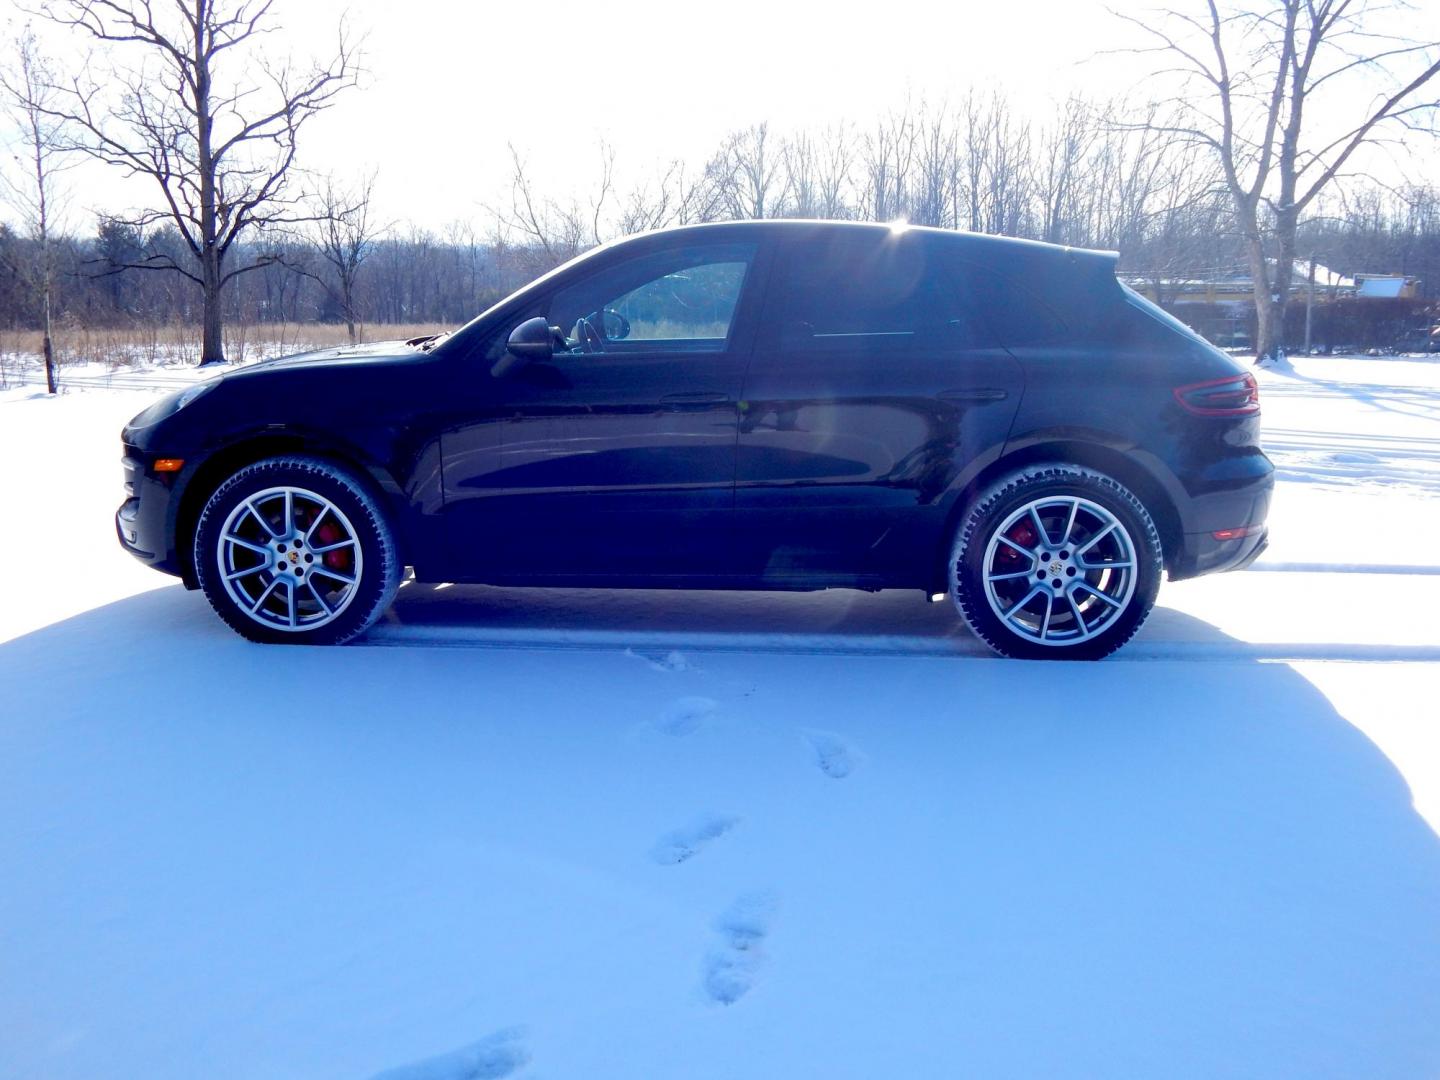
871, 383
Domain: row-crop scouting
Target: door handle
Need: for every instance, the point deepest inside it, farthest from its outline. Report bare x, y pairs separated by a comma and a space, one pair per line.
699, 397
980, 393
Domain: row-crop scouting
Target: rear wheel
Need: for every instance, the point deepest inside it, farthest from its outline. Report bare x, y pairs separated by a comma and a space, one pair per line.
294, 550
1056, 562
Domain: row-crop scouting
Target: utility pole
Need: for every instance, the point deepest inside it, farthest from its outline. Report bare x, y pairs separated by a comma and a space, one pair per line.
1310, 305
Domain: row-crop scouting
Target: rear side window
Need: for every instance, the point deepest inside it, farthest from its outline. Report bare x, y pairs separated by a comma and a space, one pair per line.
874, 293
1013, 313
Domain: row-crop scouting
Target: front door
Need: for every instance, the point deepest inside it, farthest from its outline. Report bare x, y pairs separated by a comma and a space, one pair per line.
615, 460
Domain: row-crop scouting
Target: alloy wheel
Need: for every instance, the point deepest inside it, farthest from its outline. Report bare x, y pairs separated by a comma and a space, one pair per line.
1059, 570
289, 559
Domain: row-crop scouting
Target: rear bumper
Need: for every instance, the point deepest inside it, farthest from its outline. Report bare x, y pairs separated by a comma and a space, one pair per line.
1203, 554
1241, 502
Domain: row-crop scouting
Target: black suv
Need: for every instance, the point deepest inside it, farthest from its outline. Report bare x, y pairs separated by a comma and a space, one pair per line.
760, 405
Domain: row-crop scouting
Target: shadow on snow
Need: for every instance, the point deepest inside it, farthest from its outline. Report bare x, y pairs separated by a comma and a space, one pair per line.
229, 860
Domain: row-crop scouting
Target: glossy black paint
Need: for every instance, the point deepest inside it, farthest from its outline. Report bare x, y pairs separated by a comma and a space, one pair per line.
761, 465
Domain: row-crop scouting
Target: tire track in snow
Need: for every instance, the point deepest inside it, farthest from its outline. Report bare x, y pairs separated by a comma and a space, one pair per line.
1138, 651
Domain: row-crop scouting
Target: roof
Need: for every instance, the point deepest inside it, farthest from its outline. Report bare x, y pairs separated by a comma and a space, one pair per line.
981, 241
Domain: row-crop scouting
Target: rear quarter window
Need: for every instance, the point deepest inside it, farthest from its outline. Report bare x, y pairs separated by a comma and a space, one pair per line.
1159, 314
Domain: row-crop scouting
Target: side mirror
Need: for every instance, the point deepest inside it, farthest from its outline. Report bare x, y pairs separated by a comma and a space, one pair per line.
531, 340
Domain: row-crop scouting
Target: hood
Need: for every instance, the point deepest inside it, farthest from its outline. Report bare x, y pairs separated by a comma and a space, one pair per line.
371, 350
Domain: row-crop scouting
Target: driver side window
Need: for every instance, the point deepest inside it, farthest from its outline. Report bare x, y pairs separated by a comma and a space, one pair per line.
680, 300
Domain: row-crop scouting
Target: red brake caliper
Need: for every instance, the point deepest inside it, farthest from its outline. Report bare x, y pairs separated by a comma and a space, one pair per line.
1023, 533
329, 533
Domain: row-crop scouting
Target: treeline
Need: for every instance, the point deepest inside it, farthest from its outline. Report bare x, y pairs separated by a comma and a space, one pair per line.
417, 276
1091, 174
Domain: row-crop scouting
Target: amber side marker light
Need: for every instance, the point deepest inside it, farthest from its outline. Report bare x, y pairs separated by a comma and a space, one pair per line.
169, 464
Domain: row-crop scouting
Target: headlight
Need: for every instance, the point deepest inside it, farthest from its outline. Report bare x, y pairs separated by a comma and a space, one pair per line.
187, 396
170, 404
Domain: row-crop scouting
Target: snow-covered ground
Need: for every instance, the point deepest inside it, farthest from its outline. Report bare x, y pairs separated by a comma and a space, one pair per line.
558, 835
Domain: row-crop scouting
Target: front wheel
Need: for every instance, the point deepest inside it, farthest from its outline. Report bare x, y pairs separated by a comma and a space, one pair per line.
294, 550
1056, 562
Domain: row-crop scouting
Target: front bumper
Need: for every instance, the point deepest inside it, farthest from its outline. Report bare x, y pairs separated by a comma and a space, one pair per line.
145, 522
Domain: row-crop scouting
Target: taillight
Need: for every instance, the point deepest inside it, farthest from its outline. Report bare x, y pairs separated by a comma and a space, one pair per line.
1234, 395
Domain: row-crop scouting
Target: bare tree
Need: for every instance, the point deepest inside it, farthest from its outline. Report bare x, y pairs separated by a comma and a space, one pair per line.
834, 180
886, 156
800, 161
39, 157
220, 158
1262, 72
747, 176
931, 196
671, 197
554, 232
343, 236
993, 170
1061, 167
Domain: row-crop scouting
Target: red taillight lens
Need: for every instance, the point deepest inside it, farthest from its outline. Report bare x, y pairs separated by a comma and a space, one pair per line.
1235, 395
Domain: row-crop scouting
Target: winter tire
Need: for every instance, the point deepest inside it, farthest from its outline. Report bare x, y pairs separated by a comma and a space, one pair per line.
1056, 562
295, 550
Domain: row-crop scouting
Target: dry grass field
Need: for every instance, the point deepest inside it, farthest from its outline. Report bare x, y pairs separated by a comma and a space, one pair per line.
177, 344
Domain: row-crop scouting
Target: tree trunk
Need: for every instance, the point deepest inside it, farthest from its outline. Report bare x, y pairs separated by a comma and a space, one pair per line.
348, 295
46, 344
212, 345
49, 356
1265, 305
1286, 222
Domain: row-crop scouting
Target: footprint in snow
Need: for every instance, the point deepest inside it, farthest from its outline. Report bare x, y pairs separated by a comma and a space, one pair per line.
493, 1057
732, 966
686, 715
835, 757
682, 844
671, 661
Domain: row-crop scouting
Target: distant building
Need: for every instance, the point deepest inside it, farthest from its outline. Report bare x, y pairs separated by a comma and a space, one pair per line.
1387, 286
1235, 286
1220, 304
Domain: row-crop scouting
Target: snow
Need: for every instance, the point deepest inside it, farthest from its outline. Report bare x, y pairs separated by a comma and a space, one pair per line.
547, 834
